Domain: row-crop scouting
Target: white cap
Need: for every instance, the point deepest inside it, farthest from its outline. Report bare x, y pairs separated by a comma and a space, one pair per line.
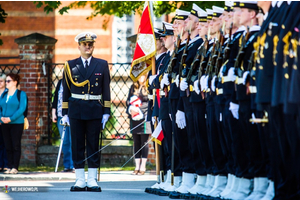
181, 14
195, 10
202, 16
86, 36
228, 5
210, 13
217, 11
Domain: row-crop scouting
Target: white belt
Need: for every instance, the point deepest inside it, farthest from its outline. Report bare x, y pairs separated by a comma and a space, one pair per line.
161, 93
240, 81
150, 97
219, 91
86, 96
252, 89
226, 79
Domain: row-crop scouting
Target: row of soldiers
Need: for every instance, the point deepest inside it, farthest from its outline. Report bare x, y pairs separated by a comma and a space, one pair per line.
228, 102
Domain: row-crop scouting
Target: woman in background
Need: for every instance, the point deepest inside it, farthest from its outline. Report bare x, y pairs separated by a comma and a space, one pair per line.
3, 156
12, 121
137, 104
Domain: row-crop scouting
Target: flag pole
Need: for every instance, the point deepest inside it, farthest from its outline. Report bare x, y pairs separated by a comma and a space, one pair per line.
155, 124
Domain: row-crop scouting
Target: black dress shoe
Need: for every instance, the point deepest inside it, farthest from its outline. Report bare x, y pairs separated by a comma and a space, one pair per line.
148, 190
174, 195
77, 189
94, 189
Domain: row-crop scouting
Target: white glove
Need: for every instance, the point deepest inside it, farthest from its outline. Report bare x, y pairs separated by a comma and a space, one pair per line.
151, 78
196, 87
234, 108
202, 82
221, 71
213, 82
180, 119
253, 118
153, 120
206, 82
245, 75
65, 121
164, 81
104, 120
183, 85
177, 80
231, 74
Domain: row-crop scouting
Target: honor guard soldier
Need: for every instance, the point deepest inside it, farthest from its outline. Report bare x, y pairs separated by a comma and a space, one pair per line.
276, 136
86, 107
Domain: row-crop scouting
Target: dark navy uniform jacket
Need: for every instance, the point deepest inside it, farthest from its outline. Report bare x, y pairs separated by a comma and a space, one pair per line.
228, 87
291, 17
265, 66
99, 78
154, 112
241, 89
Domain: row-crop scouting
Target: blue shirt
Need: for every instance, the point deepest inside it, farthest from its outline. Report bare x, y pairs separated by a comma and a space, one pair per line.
13, 108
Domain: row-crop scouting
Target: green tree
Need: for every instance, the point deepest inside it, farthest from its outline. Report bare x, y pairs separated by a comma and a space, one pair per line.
120, 8
3, 15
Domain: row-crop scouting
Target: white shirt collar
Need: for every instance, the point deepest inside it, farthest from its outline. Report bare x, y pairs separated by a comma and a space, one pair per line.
194, 39
266, 15
157, 56
279, 3
83, 60
274, 3
254, 28
241, 28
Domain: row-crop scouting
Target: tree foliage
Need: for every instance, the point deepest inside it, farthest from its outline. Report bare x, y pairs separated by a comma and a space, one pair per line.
121, 8
3, 15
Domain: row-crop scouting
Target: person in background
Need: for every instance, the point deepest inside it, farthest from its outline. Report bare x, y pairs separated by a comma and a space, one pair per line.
56, 117
12, 121
3, 156
137, 104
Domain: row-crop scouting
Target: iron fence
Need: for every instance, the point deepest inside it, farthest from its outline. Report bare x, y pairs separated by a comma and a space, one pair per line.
118, 124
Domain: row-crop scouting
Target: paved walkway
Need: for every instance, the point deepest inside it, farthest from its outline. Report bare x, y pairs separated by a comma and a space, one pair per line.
69, 176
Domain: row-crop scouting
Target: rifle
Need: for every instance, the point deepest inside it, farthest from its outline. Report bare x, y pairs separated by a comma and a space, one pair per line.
211, 58
172, 63
227, 48
203, 62
240, 56
182, 66
220, 55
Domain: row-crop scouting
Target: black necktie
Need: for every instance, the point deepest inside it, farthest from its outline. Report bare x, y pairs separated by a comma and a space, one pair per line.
86, 64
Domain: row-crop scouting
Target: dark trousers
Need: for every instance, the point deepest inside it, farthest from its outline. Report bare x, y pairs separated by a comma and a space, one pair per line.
140, 140
287, 162
85, 135
191, 134
3, 155
251, 141
204, 162
12, 135
238, 152
167, 130
266, 145
181, 142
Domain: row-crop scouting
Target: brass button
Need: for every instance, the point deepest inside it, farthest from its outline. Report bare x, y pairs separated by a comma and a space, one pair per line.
92, 85
286, 76
261, 67
96, 79
295, 67
254, 68
283, 26
82, 92
91, 92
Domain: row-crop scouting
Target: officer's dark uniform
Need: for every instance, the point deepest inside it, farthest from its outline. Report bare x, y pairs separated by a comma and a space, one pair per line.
85, 105
264, 80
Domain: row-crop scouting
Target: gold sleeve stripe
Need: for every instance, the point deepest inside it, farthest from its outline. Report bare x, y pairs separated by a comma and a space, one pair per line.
107, 104
65, 105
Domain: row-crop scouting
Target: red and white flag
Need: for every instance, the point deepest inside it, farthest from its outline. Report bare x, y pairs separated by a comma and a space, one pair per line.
158, 134
145, 47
